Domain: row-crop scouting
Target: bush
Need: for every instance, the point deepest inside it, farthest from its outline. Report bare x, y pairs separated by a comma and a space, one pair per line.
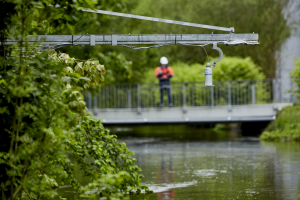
229, 68
286, 127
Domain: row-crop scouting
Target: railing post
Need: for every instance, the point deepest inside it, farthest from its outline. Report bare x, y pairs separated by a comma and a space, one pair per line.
139, 99
212, 96
95, 104
229, 97
274, 93
253, 93
90, 100
129, 98
184, 97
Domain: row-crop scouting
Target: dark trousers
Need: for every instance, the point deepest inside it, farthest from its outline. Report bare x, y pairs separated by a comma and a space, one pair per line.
165, 86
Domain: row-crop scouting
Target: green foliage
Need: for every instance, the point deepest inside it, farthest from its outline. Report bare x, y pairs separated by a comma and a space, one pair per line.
286, 127
120, 70
98, 153
229, 68
44, 124
295, 75
90, 71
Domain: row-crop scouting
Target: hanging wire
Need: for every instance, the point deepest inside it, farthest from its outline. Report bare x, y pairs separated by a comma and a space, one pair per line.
166, 44
150, 47
194, 45
206, 54
49, 48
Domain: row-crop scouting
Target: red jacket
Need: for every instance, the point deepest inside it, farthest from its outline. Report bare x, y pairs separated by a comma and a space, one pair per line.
165, 73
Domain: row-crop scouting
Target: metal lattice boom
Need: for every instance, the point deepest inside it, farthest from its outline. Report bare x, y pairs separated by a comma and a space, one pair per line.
229, 39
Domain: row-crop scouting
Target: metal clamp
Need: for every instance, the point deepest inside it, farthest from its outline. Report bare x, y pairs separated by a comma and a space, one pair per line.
92, 40
114, 40
220, 54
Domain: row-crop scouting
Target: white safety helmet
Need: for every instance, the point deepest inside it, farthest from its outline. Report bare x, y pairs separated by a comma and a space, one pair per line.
164, 61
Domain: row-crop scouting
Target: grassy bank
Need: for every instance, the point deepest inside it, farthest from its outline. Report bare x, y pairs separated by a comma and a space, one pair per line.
286, 127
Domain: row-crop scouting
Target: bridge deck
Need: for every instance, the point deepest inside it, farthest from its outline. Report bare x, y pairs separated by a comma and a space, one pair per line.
242, 113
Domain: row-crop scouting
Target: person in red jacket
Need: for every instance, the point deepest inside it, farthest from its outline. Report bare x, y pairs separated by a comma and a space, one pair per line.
164, 73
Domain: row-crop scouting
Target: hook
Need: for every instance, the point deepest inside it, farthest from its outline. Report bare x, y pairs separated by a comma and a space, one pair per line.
220, 54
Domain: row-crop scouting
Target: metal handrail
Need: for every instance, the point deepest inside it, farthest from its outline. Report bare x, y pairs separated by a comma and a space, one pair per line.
187, 94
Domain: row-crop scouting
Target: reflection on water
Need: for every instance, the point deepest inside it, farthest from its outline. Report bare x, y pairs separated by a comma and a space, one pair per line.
239, 169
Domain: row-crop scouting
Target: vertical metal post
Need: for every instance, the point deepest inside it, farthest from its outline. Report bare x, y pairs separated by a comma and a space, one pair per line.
212, 96
139, 99
274, 93
253, 93
95, 105
129, 98
115, 95
192, 94
90, 100
229, 97
184, 97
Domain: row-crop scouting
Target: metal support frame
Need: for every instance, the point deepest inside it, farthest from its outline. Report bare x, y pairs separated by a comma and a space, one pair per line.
228, 39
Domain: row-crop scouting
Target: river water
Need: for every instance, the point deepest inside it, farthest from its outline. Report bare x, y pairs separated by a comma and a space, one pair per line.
235, 168
206, 165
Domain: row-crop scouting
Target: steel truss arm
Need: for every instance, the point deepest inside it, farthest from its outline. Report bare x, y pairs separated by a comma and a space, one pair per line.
231, 29
228, 39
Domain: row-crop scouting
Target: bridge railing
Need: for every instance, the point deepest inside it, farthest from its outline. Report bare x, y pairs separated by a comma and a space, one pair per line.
145, 95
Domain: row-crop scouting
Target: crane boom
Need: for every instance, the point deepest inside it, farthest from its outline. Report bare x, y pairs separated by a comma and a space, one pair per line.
228, 39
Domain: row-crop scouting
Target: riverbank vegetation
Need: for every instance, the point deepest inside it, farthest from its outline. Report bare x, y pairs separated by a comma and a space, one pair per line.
286, 127
45, 127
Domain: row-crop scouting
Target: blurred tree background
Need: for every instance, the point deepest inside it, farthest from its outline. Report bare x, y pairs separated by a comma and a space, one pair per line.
226, 70
268, 18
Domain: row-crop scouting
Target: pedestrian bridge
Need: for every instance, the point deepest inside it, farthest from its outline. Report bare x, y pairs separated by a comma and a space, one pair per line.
228, 101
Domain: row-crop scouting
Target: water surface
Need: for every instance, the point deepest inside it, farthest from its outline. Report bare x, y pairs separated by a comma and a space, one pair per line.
239, 168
